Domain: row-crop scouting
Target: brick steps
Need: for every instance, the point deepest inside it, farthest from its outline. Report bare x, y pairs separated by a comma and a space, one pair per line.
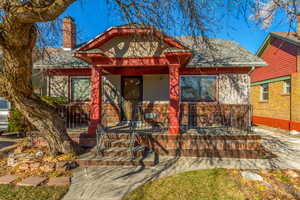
248, 154
90, 159
138, 151
120, 143
118, 153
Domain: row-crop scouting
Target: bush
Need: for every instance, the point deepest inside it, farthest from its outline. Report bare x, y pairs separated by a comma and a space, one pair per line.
18, 123
54, 101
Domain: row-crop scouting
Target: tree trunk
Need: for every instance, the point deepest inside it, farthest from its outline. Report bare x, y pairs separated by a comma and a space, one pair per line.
18, 78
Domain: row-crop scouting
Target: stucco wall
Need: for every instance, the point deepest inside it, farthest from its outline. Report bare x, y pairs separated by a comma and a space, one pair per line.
234, 88
58, 86
112, 89
133, 46
156, 87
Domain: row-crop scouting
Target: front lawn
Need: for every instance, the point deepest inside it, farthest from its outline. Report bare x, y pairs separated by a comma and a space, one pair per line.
194, 185
220, 184
9, 192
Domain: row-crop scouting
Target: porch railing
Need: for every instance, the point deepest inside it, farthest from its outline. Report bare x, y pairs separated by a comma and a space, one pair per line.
199, 118
208, 118
75, 116
146, 119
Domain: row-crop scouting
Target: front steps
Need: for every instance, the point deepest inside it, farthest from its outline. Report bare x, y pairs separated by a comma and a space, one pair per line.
117, 154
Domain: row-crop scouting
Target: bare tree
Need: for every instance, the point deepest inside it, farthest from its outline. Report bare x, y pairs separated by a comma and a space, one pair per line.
19, 28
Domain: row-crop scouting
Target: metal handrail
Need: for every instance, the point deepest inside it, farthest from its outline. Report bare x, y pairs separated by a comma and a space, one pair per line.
132, 137
100, 133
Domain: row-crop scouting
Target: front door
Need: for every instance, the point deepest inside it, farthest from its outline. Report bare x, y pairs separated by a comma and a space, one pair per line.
132, 93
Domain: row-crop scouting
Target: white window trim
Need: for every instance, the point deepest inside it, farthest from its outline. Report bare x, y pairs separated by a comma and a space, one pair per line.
285, 86
262, 90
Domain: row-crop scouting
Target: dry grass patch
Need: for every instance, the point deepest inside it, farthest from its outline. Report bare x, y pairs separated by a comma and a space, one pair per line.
221, 184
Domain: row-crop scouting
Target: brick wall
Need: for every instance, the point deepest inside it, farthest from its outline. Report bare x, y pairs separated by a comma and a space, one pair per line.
295, 97
278, 105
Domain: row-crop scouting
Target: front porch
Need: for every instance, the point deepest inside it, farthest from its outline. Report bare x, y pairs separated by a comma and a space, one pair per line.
152, 118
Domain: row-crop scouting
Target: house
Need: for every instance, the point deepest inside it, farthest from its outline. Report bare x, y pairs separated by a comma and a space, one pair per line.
275, 89
176, 82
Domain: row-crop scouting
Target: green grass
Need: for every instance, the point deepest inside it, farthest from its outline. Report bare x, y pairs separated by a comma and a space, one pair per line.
9, 192
214, 184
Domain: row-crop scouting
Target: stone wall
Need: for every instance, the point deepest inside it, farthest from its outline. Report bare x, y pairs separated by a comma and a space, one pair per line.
59, 86
233, 88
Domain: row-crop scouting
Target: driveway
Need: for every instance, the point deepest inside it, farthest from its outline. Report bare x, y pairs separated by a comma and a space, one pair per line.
112, 183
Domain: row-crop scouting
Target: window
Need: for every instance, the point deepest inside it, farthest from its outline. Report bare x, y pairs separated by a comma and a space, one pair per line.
80, 89
287, 87
4, 104
198, 88
264, 92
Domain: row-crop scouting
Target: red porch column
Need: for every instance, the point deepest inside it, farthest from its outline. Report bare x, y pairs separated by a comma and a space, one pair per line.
174, 127
96, 99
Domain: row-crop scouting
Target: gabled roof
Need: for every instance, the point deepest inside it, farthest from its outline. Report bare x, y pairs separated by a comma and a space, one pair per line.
291, 37
129, 29
221, 52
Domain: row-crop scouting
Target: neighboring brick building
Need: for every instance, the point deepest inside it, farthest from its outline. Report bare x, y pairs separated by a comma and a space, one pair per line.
275, 89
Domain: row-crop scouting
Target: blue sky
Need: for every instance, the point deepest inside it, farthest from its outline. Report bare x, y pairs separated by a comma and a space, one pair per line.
95, 17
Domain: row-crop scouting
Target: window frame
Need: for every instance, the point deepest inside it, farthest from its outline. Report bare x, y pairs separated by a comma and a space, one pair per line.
285, 87
262, 92
71, 96
199, 101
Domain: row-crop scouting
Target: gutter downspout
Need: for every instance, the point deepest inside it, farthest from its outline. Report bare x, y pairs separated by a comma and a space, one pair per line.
249, 103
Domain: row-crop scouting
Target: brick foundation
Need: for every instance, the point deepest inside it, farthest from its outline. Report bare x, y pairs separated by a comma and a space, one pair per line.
237, 146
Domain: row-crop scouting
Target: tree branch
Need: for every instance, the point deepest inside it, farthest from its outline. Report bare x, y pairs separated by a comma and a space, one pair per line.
32, 13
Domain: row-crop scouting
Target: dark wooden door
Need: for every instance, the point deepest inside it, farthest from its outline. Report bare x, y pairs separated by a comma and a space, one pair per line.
132, 93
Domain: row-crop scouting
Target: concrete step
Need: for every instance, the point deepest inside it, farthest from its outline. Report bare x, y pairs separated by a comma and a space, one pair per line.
138, 151
120, 143
89, 159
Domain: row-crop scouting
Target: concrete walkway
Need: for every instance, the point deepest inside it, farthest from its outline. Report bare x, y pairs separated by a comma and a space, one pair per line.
112, 183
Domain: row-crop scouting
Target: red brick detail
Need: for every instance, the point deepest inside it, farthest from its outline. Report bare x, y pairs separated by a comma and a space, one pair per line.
281, 59
96, 100
70, 72
214, 70
174, 126
277, 123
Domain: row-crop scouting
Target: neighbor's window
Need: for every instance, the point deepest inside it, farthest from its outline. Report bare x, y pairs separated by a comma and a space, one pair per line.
4, 104
80, 89
198, 88
264, 92
287, 87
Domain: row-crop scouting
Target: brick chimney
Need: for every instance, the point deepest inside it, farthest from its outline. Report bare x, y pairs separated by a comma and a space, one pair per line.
69, 33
